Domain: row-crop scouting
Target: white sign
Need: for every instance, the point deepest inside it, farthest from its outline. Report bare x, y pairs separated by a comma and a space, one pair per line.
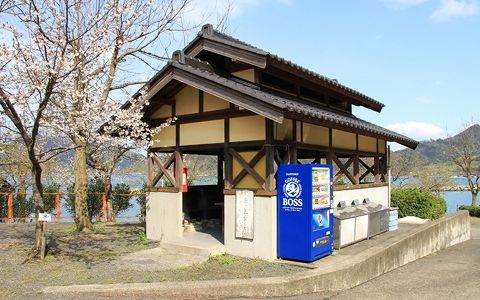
244, 214
45, 217
292, 191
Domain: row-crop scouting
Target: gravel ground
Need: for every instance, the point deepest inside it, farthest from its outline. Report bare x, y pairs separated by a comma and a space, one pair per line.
87, 258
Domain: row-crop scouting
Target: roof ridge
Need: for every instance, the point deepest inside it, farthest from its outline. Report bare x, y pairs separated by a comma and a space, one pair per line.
180, 57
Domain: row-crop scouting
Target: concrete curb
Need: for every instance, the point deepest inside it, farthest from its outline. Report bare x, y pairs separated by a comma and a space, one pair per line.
347, 273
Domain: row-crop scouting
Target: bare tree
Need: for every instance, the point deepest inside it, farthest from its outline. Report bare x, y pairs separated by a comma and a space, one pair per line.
463, 150
403, 165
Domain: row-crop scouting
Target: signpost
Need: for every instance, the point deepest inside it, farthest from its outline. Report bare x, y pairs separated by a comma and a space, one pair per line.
44, 218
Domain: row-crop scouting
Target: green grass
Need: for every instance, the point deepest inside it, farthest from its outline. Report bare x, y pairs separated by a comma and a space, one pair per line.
224, 260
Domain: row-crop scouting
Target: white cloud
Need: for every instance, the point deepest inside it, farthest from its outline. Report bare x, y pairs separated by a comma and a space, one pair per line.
418, 130
455, 8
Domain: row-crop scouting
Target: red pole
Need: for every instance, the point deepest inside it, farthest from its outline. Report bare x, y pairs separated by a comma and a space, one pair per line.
10, 208
104, 207
57, 207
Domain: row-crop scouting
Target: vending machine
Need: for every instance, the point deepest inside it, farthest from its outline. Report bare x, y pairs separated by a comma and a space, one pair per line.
305, 211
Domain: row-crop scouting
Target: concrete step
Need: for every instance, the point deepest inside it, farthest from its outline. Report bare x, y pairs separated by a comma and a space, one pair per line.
194, 243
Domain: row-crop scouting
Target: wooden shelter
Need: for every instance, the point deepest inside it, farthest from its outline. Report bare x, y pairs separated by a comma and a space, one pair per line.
254, 111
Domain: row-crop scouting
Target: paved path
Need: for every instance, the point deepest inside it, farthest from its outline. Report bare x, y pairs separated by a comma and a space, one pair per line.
452, 273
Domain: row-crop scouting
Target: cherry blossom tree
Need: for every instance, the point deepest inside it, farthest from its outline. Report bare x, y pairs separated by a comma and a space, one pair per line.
62, 66
33, 59
106, 37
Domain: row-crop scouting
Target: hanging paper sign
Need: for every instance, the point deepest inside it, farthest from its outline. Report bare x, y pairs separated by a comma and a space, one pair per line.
244, 214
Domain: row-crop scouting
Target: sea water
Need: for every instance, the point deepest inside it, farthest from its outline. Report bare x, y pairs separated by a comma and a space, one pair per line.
456, 199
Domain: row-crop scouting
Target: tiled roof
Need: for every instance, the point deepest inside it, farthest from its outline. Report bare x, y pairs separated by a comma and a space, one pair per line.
209, 33
294, 105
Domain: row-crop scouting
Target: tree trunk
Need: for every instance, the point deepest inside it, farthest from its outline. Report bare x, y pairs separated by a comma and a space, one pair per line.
37, 189
22, 199
474, 199
82, 218
108, 193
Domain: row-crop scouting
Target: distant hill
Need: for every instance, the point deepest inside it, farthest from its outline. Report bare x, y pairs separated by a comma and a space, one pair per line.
437, 152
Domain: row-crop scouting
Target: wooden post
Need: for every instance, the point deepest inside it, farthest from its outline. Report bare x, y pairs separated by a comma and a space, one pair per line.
269, 157
356, 169
43, 240
150, 175
178, 169
376, 172
10, 208
330, 147
57, 207
104, 207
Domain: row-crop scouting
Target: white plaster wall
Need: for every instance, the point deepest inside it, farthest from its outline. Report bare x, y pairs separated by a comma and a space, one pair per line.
376, 194
164, 215
264, 243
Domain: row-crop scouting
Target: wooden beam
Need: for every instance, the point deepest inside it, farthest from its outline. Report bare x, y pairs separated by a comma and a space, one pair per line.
200, 101
178, 169
248, 167
343, 169
330, 154
163, 170
376, 160
150, 174
356, 169
369, 170
269, 157
227, 157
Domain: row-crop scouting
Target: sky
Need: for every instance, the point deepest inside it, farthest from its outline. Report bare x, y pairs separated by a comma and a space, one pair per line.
421, 58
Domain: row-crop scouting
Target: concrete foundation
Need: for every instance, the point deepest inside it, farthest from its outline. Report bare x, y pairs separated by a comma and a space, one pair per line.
376, 194
164, 215
264, 243
333, 273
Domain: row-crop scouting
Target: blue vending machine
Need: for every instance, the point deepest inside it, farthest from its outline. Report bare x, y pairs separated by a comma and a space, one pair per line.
305, 214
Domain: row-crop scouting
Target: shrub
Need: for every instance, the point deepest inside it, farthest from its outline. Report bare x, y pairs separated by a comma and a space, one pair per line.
120, 200
142, 203
94, 200
415, 202
49, 190
474, 211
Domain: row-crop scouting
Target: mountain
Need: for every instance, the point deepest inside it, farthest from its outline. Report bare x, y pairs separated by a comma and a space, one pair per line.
436, 153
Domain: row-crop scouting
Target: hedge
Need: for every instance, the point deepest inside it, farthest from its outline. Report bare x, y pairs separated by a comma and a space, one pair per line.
474, 211
418, 203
